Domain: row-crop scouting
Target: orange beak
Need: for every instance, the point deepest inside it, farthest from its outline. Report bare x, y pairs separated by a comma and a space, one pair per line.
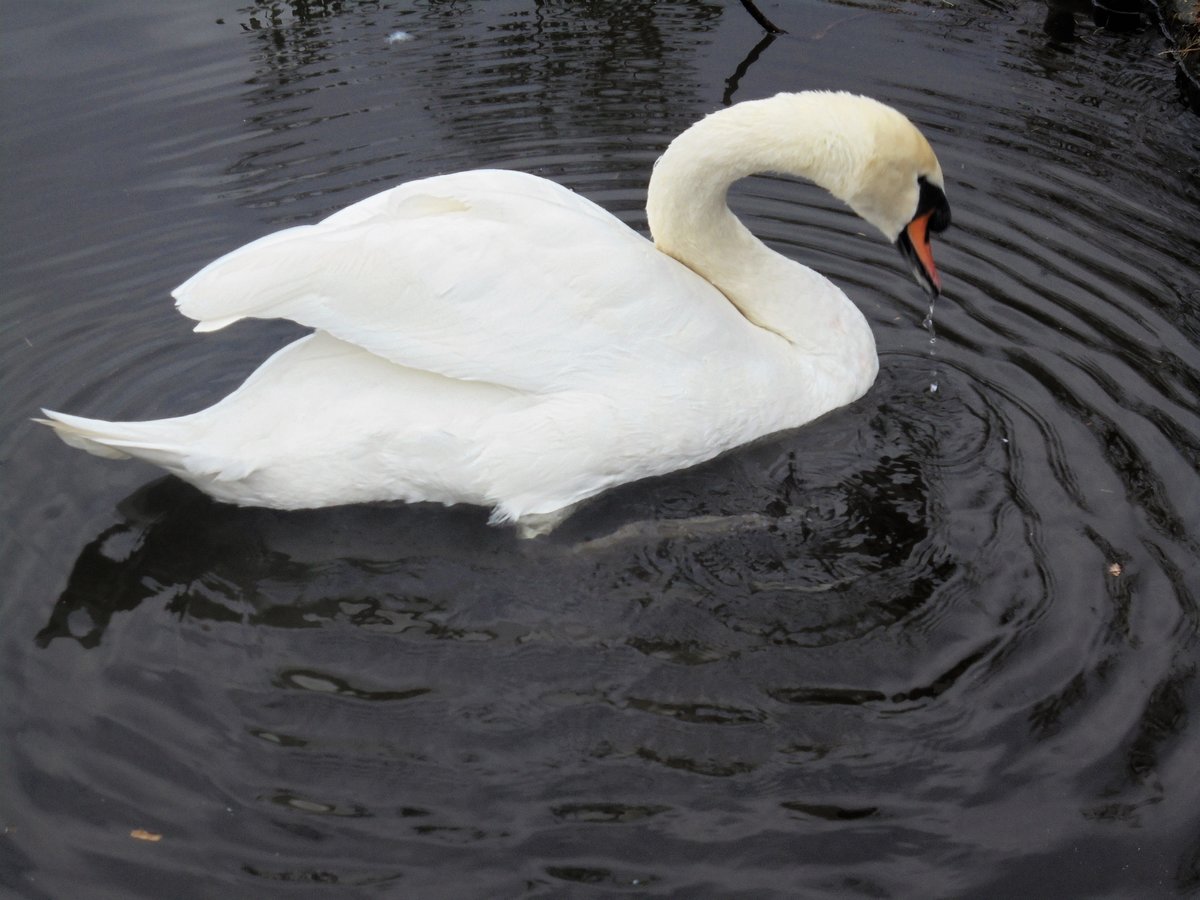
919, 252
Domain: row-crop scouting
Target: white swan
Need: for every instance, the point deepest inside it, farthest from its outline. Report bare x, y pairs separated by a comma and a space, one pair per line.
495, 339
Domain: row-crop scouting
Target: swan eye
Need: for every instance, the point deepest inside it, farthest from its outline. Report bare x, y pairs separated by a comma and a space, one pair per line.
932, 199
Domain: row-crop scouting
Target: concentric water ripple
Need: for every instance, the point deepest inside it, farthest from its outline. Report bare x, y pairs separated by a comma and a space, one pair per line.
942, 641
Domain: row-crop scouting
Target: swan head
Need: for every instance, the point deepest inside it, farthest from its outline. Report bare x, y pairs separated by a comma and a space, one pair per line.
898, 186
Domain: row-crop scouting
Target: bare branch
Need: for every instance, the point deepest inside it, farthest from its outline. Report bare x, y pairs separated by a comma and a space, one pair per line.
767, 25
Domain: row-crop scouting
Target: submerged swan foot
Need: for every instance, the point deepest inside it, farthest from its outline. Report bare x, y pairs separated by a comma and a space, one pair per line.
650, 530
540, 524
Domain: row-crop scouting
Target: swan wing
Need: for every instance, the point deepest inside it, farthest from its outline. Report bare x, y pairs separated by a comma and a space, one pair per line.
490, 276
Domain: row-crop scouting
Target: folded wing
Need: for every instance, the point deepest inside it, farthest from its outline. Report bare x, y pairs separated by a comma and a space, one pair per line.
489, 276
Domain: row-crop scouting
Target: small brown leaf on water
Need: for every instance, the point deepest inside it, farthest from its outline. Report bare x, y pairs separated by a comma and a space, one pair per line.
142, 834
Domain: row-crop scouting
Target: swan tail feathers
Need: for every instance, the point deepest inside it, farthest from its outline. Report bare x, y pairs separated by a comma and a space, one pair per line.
149, 441
92, 435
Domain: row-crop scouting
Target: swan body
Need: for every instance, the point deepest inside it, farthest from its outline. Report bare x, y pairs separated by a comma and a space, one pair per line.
492, 338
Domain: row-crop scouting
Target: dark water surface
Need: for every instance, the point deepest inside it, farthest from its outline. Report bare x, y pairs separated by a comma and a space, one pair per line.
941, 643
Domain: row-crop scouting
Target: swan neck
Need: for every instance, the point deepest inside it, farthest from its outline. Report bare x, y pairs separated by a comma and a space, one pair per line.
689, 215
790, 134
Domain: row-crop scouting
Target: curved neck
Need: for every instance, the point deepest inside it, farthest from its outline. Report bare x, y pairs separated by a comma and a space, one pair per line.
690, 218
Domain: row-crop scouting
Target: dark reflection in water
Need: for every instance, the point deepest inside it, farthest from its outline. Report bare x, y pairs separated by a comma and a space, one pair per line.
940, 643
560, 69
1115, 15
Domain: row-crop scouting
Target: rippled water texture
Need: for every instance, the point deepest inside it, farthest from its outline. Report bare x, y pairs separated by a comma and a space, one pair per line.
937, 644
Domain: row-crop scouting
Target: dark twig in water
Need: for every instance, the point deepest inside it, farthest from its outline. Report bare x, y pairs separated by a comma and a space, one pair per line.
767, 25
731, 83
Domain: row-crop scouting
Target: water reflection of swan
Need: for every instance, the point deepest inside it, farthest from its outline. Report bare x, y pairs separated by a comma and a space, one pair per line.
213, 562
492, 338
812, 563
